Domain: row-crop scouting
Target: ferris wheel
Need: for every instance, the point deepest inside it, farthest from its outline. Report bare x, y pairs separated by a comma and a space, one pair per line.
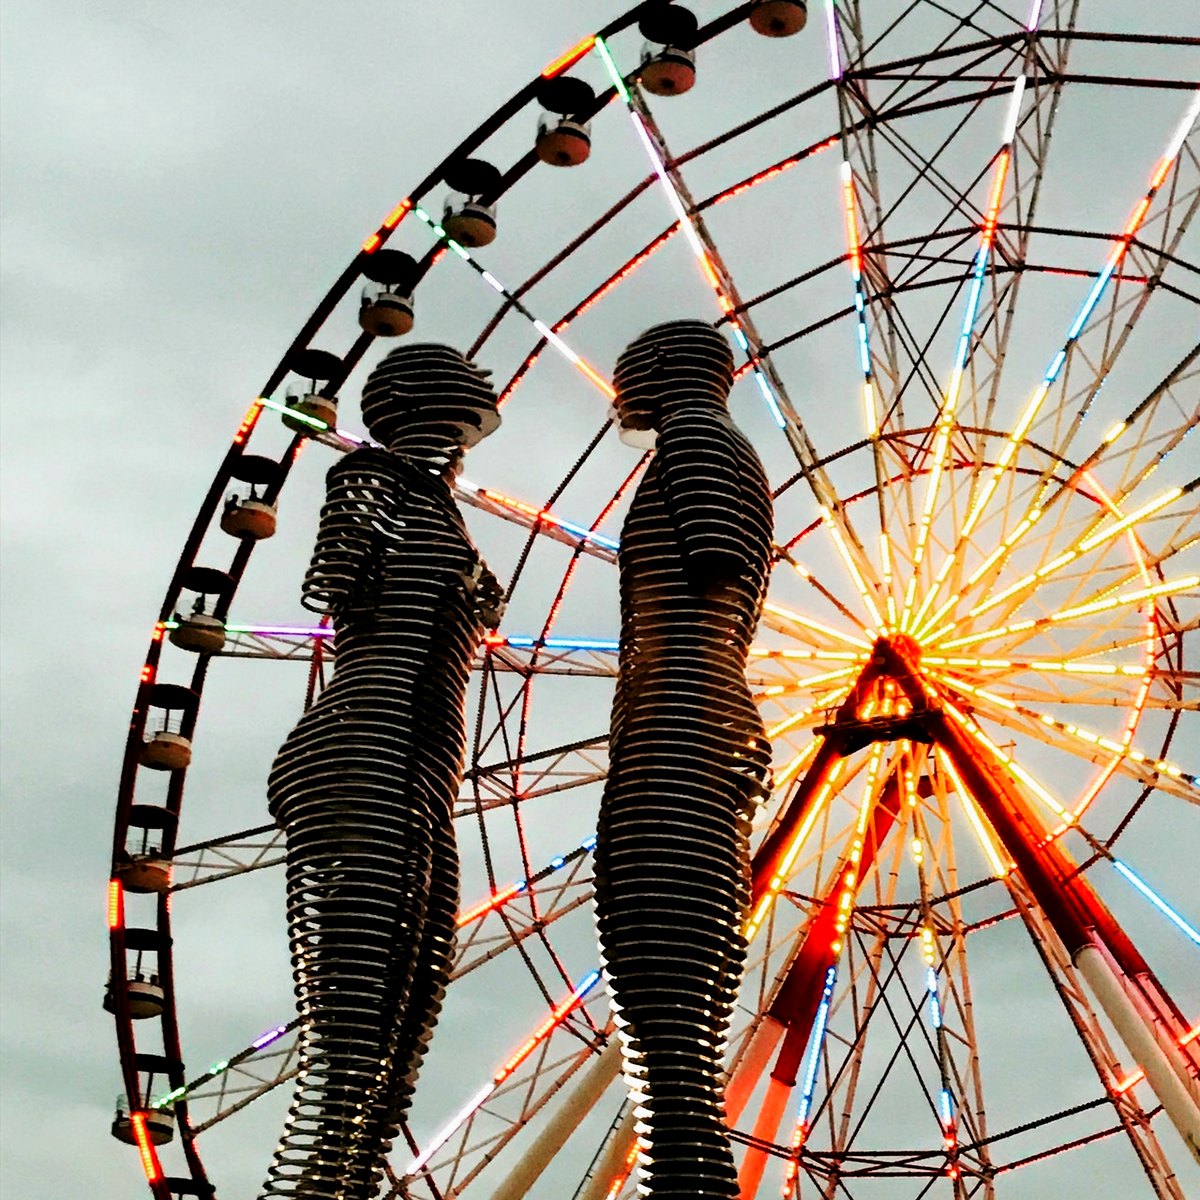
953, 248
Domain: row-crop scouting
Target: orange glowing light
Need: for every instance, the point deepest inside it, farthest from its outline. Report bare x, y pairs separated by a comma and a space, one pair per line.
492, 902
1138, 1075
1131, 228
248, 422
397, 214
570, 58
993, 209
116, 904
150, 1163
851, 221
561, 1010
372, 244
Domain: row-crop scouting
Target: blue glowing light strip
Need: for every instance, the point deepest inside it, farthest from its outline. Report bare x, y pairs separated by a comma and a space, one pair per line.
499, 898
1117, 254
523, 642
814, 1052
1158, 902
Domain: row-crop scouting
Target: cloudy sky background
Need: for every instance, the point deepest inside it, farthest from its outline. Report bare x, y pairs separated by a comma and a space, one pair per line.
180, 185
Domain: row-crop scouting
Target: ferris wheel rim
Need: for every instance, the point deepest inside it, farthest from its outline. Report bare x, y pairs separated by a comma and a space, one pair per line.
186, 560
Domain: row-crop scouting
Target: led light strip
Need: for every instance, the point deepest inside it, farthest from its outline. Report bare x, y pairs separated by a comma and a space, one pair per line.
1169, 587
543, 1031
687, 225
780, 875
1118, 252
466, 917
975, 818
1013, 767
539, 514
146, 1151
1142, 886
949, 405
1122, 749
1125, 1084
219, 1068
500, 898
808, 623
929, 951
580, 364
815, 1046
825, 704
1014, 439
1091, 542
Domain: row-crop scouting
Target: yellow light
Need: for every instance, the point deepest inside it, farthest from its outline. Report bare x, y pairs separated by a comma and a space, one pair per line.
1013, 766
796, 718
1168, 588
1115, 432
865, 806
798, 762
1131, 519
922, 634
810, 682
779, 878
808, 655
808, 623
974, 816
851, 566
869, 410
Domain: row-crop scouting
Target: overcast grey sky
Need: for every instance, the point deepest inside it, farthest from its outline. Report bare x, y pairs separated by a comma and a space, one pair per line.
180, 186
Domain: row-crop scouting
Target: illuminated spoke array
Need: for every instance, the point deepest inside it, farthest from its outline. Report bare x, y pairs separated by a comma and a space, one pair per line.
993, 452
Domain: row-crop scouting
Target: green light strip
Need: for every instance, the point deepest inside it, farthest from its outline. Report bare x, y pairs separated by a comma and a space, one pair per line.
315, 422
445, 237
615, 75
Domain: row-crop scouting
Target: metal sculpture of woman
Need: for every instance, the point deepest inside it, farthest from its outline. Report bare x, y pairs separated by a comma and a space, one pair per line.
688, 755
365, 783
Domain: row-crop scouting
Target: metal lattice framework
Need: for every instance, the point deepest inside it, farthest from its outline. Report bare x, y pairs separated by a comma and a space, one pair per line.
968, 360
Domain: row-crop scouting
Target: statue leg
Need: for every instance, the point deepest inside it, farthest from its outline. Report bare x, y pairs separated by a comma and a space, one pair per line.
358, 875
438, 766
671, 899
431, 974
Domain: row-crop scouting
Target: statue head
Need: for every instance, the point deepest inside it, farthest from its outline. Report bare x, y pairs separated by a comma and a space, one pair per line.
676, 364
423, 389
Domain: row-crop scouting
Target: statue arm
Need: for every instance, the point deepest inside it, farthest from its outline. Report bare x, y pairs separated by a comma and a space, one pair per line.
697, 465
357, 491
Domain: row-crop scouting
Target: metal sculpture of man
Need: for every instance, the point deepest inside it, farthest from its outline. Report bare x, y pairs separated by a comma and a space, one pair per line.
365, 783
688, 755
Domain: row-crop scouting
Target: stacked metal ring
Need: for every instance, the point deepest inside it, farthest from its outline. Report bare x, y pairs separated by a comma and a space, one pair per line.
688, 754
365, 783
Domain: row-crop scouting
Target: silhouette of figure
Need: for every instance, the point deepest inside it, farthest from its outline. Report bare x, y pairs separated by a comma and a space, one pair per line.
688, 754
365, 783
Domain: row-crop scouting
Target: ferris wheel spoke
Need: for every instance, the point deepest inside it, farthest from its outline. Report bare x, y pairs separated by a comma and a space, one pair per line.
1086, 328
538, 519
225, 857
233, 1084
1122, 756
513, 1096
1090, 320
735, 313
1139, 455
